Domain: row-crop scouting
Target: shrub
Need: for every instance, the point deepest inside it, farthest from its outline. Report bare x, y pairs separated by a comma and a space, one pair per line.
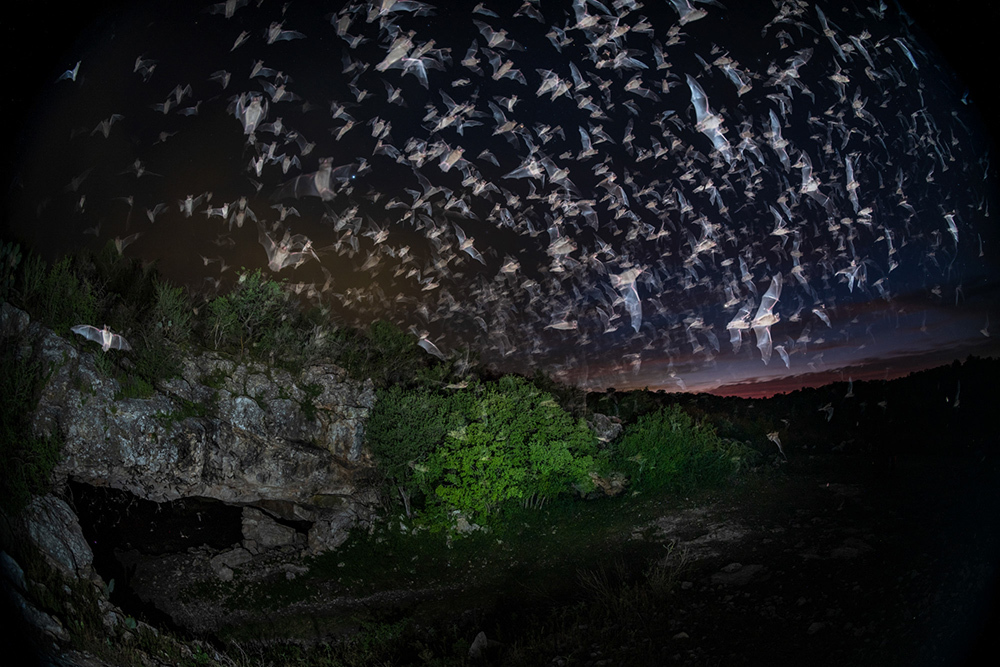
384, 353
251, 318
28, 460
57, 297
512, 443
172, 312
668, 450
403, 430
10, 258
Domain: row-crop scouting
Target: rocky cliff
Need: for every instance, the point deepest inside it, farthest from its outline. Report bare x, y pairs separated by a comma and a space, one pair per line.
242, 433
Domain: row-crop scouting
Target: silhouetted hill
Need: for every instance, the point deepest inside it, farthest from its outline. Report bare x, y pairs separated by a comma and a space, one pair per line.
949, 409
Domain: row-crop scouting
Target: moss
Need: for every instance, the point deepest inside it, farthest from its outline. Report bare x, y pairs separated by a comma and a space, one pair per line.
310, 393
186, 410
215, 379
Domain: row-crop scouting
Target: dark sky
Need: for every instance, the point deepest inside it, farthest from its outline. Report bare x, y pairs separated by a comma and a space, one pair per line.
627, 267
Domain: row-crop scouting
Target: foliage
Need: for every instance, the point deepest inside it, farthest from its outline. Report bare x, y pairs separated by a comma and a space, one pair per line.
571, 398
627, 406
56, 296
668, 450
512, 443
28, 460
477, 449
172, 312
252, 318
10, 258
404, 428
310, 393
387, 355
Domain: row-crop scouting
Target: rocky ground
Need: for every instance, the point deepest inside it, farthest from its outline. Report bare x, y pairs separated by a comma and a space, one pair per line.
841, 569
824, 563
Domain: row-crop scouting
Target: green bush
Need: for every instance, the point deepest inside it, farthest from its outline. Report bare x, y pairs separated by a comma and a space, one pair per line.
10, 258
403, 430
668, 450
172, 312
477, 449
28, 460
512, 443
252, 318
57, 297
386, 354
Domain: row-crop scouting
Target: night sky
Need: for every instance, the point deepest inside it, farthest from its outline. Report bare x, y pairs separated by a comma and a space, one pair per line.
742, 199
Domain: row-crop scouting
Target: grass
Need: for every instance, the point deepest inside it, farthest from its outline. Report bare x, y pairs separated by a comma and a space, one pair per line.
535, 561
542, 588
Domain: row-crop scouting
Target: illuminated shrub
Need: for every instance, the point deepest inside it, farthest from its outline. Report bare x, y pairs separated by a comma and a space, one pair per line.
668, 450
478, 449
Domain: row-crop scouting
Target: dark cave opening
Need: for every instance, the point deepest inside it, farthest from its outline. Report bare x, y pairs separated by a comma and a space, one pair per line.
115, 521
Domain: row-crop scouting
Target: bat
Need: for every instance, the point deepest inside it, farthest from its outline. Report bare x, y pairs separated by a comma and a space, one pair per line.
765, 317
107, 338
320, 183
289, 251
251, 110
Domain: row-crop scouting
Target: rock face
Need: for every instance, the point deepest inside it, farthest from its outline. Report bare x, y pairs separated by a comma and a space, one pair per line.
244, 434
605, 428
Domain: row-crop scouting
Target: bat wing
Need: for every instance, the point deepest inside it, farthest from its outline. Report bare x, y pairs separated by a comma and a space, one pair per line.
298, 187
266, 241
88, 332
764, 342
430, 347
119, 343
634, 306
770, 298
698, 99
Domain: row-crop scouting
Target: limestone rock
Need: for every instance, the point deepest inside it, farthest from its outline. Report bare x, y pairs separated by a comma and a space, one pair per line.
224, 563
12, 573
611, 485
330, 531
261, 532
47, 624
736, 574
605, 428
52, 528
242, 433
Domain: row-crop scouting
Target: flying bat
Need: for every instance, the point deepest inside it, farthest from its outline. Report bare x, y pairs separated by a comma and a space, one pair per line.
105, 337
320, 183
289, 251
765, 317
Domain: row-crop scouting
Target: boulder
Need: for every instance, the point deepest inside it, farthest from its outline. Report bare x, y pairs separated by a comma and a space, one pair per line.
53, 531
605, 428
330, 530
261, 532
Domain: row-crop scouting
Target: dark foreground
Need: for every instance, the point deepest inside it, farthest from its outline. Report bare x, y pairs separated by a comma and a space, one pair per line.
822, 560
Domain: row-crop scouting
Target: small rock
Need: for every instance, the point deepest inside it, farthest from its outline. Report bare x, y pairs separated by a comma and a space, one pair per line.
739, 576
681, 635
478, 648
815, 627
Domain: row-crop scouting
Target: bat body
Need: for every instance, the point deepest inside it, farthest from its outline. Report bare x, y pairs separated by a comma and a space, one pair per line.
107, 339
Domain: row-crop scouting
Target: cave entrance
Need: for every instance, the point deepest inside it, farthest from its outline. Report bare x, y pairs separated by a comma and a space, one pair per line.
116, 521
